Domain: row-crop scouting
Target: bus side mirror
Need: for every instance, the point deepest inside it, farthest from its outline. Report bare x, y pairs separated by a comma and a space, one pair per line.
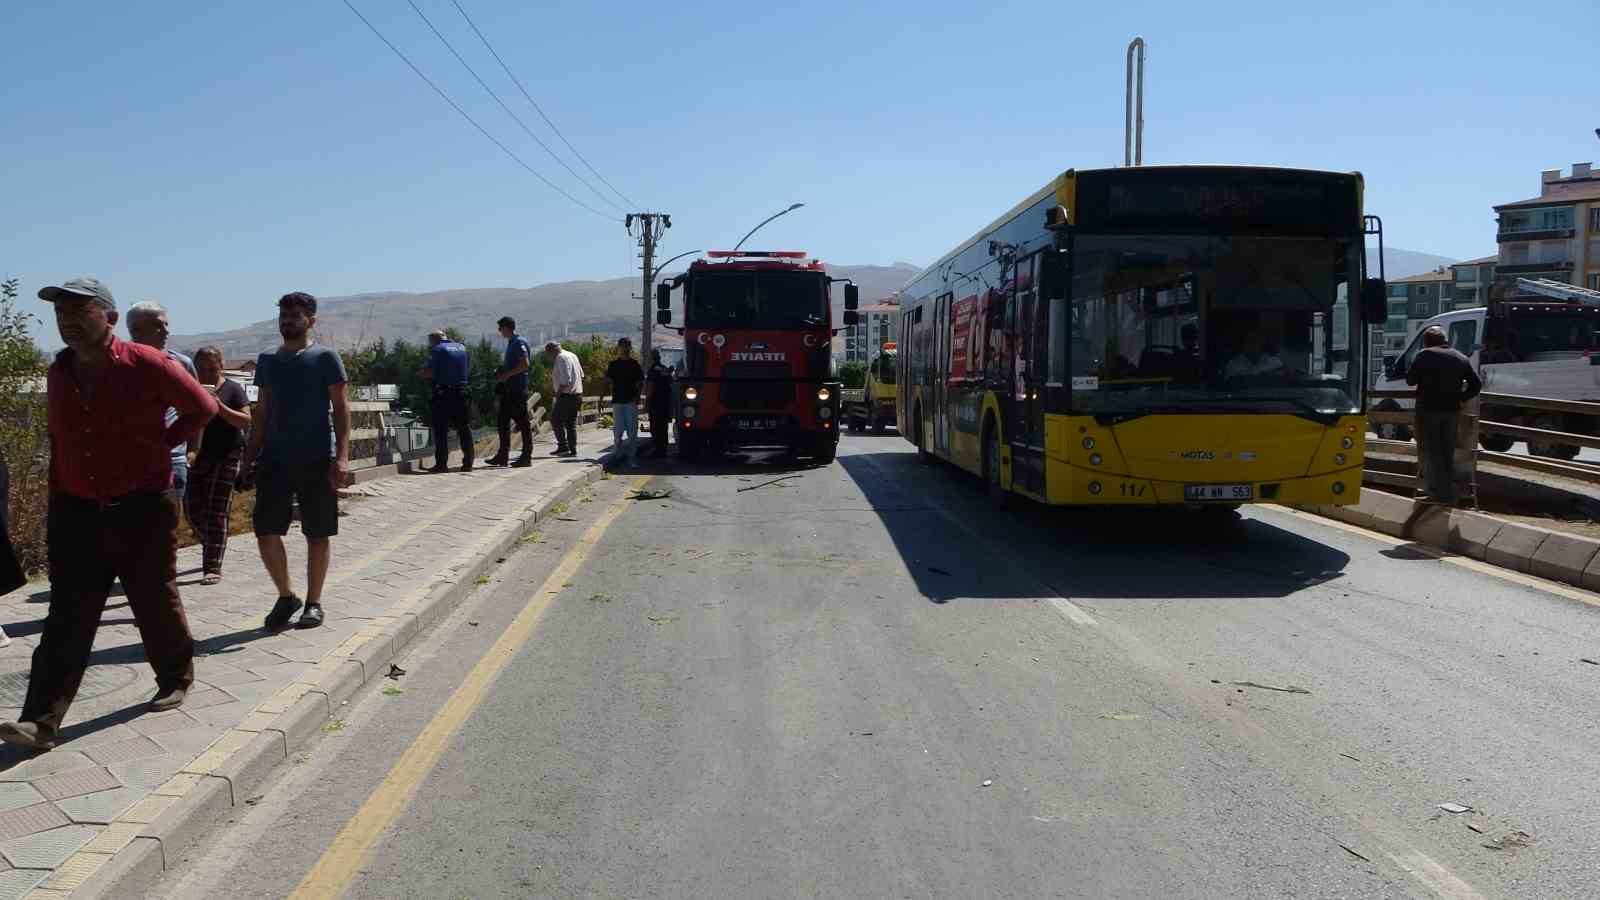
663, 317
852, 299
1374, 302
664, 296
851, 317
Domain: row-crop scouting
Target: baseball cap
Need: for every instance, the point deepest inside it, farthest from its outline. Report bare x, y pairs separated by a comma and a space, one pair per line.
92, 288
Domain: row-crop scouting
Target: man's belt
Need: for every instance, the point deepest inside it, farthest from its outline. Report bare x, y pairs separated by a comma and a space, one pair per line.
133, 500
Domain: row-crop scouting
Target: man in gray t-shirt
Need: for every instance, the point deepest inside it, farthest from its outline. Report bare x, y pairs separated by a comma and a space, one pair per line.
301, 448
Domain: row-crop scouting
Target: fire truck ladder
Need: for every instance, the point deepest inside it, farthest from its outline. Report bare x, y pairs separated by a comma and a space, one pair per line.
1560, 290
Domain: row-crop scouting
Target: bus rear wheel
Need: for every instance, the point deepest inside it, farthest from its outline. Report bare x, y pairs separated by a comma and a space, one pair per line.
998, 495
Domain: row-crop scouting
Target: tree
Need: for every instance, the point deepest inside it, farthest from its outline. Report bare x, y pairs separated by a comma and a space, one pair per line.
853, 374
24, 443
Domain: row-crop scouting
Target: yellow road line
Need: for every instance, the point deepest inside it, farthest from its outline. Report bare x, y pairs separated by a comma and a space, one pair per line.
340, 863
1521, 579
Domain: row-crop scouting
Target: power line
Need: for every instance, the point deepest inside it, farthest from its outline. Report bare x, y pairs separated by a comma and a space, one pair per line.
518, 119
481, 130
537, 107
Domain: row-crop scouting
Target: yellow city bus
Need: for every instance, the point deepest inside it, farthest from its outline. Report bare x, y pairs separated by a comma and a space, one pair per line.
1150, 336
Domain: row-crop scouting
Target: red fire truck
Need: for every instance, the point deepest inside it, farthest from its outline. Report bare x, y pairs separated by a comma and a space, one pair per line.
758, 333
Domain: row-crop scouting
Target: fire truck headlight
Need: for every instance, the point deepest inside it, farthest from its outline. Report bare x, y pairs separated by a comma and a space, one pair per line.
823, 394
825, 412
691, 393
689, 412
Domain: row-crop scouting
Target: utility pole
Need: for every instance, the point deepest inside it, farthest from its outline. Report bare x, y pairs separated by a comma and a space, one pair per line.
651, 226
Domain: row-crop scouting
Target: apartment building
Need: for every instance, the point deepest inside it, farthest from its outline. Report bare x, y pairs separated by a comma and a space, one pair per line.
1412, 301
1555, 235
1472, 279
879, 325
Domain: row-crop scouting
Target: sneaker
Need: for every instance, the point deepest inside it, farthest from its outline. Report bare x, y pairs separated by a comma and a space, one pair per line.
312, 617
168, 698
28, 734
522, 463
282, 612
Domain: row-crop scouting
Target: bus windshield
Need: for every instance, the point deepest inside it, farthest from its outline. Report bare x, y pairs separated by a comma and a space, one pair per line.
756, 300
1209, 323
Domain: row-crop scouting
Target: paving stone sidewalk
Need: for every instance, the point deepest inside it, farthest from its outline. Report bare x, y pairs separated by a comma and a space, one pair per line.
65, 813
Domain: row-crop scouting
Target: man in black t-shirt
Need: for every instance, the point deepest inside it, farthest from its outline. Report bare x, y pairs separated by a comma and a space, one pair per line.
627, 379
1444, 380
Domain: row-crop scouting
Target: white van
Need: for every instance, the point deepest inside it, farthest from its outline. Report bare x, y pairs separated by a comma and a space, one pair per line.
1537, 349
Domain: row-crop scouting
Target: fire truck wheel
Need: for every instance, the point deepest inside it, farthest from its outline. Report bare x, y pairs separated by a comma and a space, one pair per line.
688, 448
826, 451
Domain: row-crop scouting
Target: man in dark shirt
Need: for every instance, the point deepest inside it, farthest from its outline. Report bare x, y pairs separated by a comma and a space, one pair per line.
658, 399
301, 437
627, 378
448, 368
1444, 380
512, 386
112, 511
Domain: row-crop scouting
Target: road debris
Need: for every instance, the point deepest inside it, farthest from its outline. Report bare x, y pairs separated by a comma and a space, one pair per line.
473, 624
662, 620
987, 782
395, 672
1454, 808
1511, 840
937, 571
765, 483
1121, 716
1353, 853
1473, 827
1287, 689
253, 800
1348, 756
392, 691
1592, 662
566, 518
650, 495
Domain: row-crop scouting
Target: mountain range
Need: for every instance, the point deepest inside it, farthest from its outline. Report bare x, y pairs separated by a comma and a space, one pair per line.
553, 310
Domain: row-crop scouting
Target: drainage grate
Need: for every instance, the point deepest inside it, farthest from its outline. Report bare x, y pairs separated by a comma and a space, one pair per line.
97, 682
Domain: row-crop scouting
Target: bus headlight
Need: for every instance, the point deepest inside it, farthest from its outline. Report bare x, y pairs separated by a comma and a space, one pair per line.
693, 393
825, 412
689, 412
823, 394
1347, 443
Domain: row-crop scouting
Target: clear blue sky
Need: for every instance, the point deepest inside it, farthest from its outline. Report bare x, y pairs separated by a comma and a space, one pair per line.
215, 155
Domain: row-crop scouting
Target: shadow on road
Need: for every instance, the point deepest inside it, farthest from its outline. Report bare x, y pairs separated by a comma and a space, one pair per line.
1036, 551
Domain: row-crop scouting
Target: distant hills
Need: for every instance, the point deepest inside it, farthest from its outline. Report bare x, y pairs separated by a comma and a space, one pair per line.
554, 310
581, 307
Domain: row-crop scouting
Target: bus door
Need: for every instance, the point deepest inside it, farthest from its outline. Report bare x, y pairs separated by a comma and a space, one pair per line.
941, 381
1028, 378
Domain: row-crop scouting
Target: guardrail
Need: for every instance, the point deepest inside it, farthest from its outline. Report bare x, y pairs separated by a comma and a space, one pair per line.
1473, 425
1465, 472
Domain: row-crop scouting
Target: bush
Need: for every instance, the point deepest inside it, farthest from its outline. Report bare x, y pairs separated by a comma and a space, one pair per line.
853, 374
24, 446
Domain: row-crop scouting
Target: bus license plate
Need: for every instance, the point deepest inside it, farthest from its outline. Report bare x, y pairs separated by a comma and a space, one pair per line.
1231, 492
756, 423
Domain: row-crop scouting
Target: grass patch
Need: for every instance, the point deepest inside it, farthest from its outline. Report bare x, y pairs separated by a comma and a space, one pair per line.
337, 725
532, 537
599, 598
481, 579
560, 509
392, 691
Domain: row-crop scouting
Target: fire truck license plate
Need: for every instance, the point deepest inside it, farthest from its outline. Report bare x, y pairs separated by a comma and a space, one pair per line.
1216, 492
756, 423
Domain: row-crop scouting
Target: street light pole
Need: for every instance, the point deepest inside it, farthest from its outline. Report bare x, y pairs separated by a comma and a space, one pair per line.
781, 212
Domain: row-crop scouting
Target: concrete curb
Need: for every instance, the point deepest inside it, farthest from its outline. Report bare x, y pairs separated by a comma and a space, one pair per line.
1555, 555
247, 757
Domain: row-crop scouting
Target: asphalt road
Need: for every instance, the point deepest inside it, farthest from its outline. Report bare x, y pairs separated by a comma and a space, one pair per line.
864, 682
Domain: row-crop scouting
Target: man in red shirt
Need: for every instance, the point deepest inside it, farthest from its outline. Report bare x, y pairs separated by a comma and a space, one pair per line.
112, 511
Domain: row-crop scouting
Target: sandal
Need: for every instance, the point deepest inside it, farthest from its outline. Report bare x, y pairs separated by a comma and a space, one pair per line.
212, 578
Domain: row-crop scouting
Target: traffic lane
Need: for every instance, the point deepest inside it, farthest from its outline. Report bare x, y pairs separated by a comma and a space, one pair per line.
1445, 684
745, 693
268, 845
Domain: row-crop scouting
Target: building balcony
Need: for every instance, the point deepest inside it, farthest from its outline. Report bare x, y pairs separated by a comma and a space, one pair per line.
1544, 234
1531, 268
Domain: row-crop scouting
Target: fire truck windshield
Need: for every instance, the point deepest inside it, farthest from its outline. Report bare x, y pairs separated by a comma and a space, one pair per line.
756, 300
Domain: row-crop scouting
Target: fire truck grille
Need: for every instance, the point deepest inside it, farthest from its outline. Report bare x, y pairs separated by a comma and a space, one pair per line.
762, 386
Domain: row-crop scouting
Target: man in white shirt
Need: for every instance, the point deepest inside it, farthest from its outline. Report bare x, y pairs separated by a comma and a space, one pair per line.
1253, 359
566, 376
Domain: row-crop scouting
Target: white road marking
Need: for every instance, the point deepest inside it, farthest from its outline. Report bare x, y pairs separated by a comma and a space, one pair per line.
1435, 877
1074, 614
